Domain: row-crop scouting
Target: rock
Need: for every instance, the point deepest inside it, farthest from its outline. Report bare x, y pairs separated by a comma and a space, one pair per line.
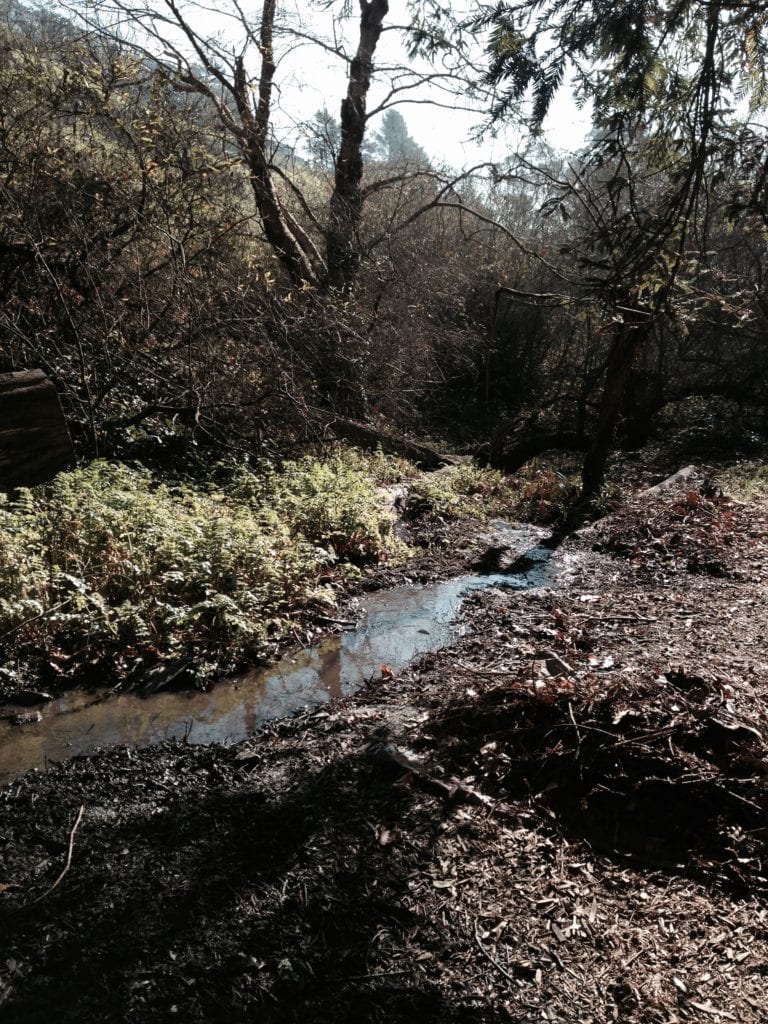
682, 478
27, 718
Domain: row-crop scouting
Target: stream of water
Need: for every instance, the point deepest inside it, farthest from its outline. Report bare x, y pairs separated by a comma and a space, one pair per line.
398, 625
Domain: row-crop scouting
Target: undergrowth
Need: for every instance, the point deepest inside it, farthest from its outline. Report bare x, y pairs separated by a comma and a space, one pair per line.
745, 481
537, 494
108, 575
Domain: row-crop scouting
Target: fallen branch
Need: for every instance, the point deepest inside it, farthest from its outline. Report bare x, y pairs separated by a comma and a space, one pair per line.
596, 617
371, 437
452, 789
68, 861
328, 620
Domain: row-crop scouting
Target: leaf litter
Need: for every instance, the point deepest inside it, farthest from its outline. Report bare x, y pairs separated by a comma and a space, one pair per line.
560, 818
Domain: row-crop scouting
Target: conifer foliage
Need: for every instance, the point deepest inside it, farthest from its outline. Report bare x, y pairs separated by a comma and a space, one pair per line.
661, 80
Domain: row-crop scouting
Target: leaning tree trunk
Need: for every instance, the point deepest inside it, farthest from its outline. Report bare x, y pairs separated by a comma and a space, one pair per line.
293, 246
369, 438
627, 343
347, 199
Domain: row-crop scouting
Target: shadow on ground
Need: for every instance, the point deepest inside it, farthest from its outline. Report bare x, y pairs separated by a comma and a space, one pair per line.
655, 773
219, 903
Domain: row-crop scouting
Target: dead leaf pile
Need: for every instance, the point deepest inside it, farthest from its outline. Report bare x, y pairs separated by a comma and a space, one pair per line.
713, 536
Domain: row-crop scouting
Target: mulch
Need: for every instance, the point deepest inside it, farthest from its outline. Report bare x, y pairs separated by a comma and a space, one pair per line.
562, 818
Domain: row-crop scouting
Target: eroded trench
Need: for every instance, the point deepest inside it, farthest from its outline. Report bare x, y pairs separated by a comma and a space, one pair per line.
397, 626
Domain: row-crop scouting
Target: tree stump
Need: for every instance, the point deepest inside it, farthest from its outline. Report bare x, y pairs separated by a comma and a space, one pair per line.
34, 440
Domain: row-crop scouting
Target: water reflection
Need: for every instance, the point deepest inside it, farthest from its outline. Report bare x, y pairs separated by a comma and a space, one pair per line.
399, 625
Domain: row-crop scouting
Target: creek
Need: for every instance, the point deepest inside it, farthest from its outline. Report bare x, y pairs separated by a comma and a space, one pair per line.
398, 625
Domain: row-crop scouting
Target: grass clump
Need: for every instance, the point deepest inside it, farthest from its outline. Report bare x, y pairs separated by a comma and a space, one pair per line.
745, 481
109, 576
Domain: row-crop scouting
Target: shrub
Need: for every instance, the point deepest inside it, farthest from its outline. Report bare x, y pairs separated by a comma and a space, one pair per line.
745, 481
538, 494
334, 504
458, 492
107, 575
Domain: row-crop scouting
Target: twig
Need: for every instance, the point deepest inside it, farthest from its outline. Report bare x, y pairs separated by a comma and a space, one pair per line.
575, 726
329, 620
380, 974
40, 615
485, 671
452, 789
614, 618
556, 957
494, 961
68, 861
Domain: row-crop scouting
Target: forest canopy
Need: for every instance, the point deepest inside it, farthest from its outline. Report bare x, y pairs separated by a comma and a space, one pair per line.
196, 278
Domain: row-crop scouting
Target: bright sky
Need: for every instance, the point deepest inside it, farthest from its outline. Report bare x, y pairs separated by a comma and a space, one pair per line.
316, 79
310, 77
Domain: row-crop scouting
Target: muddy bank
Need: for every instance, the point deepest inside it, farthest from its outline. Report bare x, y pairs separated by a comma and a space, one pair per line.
498, 835
385, 631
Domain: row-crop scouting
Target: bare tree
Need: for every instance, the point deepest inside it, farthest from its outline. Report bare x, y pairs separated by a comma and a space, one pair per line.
244, 95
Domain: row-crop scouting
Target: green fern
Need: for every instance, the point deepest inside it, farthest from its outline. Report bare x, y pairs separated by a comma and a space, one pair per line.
108, 575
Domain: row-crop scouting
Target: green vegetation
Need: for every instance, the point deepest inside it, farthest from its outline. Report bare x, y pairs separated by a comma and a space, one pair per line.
108, 575
538, 494
746, 481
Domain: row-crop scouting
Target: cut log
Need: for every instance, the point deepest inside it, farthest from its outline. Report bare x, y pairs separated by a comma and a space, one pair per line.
34, 440
367, 437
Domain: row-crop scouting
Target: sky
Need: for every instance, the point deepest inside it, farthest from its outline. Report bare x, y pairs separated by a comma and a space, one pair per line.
447, 136
310, 78
314, 79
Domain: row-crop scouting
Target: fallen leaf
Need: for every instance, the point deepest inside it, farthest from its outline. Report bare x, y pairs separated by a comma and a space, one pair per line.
387, 836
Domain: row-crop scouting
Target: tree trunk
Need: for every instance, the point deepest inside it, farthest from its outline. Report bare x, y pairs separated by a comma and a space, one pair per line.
627, 343
515, 455
282, 231
293, 246
369, 438
34, 440
347, 199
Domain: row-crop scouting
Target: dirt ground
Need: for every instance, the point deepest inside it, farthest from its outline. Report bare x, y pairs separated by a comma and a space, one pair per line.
561, 817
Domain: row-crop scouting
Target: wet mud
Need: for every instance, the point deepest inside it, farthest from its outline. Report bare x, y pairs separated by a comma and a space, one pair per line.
396, 626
